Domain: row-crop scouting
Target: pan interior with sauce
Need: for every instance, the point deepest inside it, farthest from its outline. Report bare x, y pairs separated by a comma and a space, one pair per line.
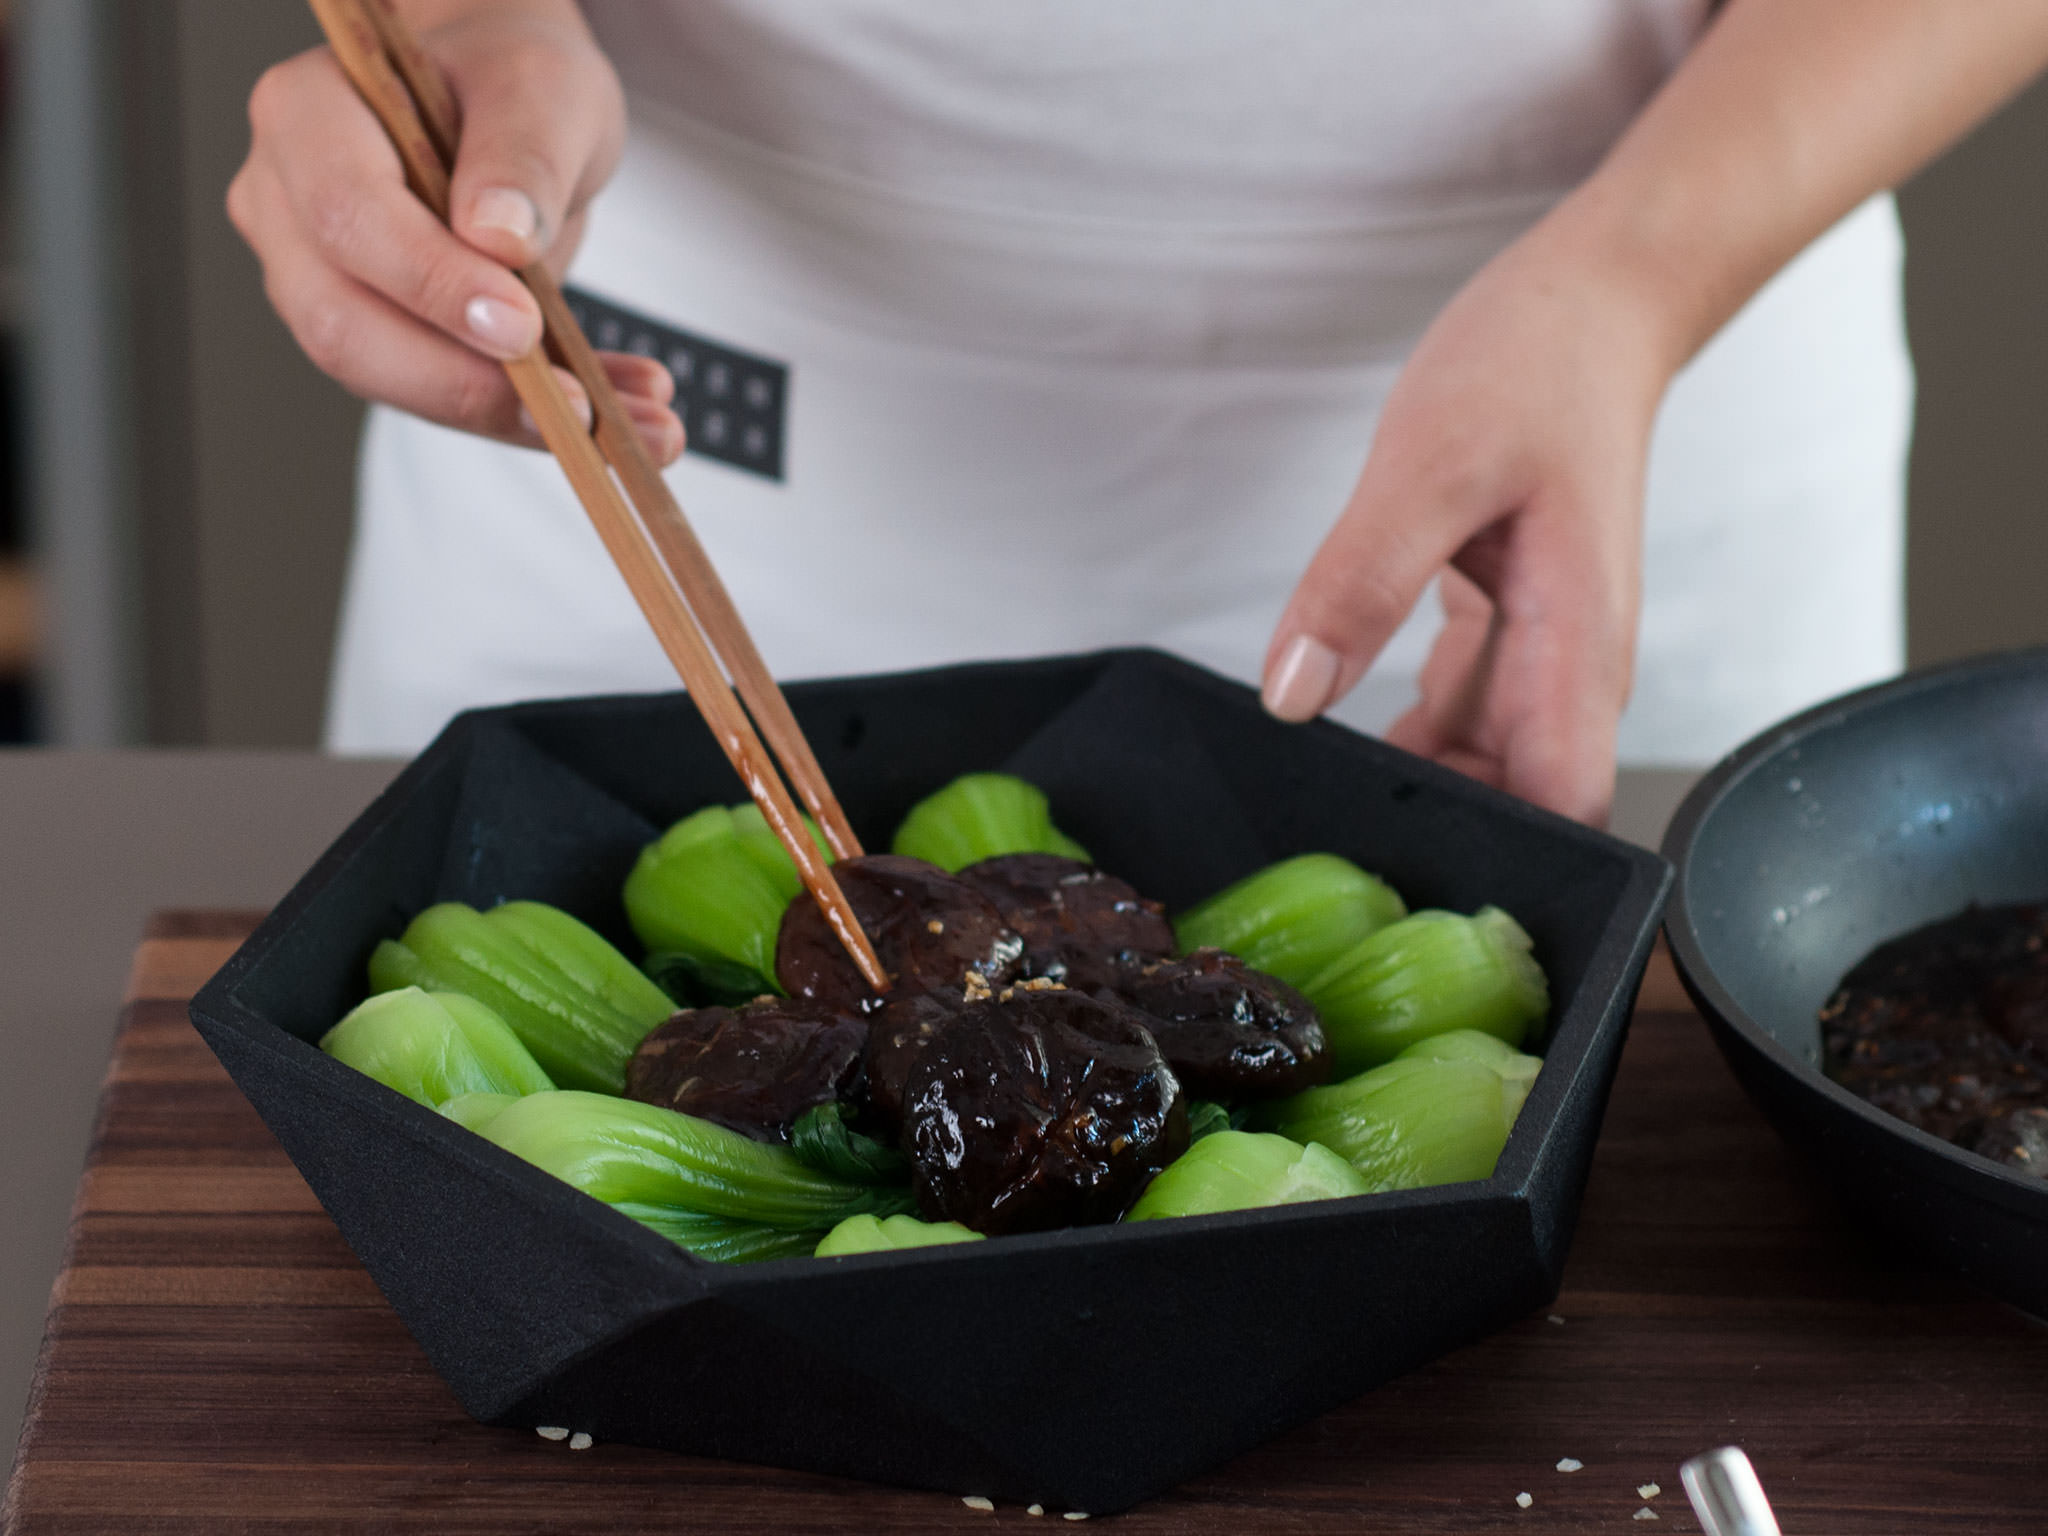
1946, 1027
1825, 837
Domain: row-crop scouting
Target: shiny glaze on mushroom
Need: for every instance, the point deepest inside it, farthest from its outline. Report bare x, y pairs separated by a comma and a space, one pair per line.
1230, 1032
1045, 1108
929, 929
1079, 925
754, 1068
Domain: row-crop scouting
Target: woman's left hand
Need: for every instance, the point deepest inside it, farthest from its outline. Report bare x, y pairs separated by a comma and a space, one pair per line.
1509, 462
1510, 455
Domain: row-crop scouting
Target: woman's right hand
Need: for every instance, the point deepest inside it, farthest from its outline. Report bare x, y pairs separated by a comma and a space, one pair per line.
384, 297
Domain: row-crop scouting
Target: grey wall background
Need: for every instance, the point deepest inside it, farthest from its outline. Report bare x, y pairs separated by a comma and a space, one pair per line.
1977, 303
246, 453
272, 440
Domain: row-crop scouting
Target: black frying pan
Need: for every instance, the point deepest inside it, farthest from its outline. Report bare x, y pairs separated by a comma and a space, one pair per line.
1843, 827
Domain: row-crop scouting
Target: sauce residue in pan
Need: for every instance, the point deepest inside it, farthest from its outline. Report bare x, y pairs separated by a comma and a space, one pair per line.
1947, 1028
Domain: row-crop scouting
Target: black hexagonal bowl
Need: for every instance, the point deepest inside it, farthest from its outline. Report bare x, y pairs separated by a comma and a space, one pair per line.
1850, 824
1084, 1369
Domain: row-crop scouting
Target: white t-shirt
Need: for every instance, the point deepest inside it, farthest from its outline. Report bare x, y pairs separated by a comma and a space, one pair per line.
1089, 312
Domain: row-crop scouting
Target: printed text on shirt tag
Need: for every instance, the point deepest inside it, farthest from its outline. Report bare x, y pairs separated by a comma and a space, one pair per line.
733, 404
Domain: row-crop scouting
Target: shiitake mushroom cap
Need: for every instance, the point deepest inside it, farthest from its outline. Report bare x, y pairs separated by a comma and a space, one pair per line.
752, 1069
1230, 1032
1079, 925
1047, 1108
929, 930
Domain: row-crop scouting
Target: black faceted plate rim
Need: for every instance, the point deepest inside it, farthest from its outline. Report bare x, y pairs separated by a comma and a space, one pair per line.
1953, 1165
1601, 1005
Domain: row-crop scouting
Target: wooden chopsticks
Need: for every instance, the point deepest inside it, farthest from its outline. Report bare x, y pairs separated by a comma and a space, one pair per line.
649, 540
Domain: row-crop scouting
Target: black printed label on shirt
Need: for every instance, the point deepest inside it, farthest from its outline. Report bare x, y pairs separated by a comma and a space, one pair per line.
733, 404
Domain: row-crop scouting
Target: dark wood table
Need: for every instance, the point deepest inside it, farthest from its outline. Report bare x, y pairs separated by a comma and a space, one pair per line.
217, 1361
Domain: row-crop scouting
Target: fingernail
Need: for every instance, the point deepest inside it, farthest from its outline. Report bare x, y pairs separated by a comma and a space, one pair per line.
506, 209
572, 392
1299, 686
579, 402
670, 446
499, 328
661, 432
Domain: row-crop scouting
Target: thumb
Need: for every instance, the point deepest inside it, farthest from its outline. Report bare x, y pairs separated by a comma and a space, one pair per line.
542, 125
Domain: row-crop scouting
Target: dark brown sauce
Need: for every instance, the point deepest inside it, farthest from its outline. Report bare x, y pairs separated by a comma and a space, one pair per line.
1947, 1028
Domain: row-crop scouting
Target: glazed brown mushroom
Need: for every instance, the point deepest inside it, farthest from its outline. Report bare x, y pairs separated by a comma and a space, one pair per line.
1228, 1031
898, 1032
753, 1069
1079, 926
929, 928
1043, 1109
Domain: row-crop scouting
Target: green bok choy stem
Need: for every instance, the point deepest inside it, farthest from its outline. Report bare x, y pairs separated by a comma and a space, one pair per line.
1440, 1114
707, 899
1294, 918
1421, 976
626, 1153
434, 1046
1237, 1170
1517, 1071
978, 816
474, 1111
575, 1002
886, 1234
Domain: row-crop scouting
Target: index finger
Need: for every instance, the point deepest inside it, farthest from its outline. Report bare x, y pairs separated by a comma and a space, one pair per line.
1404, 522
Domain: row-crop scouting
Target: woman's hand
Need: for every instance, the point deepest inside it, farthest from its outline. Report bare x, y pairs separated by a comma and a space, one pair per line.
380, 294
1510, 455
1510, 460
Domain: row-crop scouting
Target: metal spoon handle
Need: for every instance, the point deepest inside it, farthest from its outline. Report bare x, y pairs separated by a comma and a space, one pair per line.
1727, 1496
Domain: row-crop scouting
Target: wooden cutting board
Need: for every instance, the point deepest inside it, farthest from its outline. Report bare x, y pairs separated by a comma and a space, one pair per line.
217, 1361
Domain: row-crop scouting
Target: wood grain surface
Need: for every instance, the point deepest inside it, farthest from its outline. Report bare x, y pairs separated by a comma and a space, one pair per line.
217, 1361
